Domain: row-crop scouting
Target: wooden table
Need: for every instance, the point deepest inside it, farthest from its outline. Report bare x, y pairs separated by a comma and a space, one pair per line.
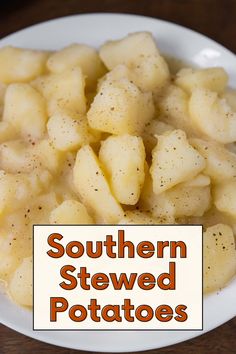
214, 18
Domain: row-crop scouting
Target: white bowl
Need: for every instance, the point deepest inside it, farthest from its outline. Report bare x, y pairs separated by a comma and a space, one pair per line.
175, 41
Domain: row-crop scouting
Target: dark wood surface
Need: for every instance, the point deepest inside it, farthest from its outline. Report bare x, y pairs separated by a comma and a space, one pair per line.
214, 18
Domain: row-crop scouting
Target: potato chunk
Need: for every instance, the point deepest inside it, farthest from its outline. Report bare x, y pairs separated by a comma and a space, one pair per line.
64, 91
21, 65
18, 156
120, 107
67, 133
214, 79
123, 159
151, 130
17, 189
188, 200
25, 109
212, 116
174, 161
191, 198
92, 186
159, 205
20, 285
50, 157
220, 162
126, 50
70, 212
225, 197
150, 72
172, 104
80, 55
219, 256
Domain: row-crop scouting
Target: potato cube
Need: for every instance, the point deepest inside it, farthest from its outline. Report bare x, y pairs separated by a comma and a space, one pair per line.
159, 205
189, 200
126, 50
219, 257
192, 198
225, 197
220, 162
120, 107
64, 91
50, 157
123, 159
93, 188
67, 133
212, 116
150, 72
70, 212
80, 55
20, 285
172, 104
214, 79
21, 65
151, 130
25, 109
17, 189
174, 153
18, 156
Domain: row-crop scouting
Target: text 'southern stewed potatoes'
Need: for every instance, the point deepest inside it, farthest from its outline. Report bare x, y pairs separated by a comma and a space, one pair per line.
114, 137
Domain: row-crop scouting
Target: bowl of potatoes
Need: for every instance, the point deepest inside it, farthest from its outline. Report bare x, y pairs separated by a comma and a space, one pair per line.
116, 119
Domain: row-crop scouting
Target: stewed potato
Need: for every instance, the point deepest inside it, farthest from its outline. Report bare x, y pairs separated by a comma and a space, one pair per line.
220, 162
70, 212
92, 186
120, 107
21, 65
213, 116
25, 110
123, 159
173, 153
219, 256
172, 105
128, 49
114, 136
22, 276
80, 55
225, 197
214, 79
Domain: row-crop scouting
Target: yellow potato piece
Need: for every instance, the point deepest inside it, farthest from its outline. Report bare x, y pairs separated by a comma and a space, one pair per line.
25, 109
214, 79
174, 161
212, 116
80, 55
220, 162
120, 107
123, 159
21, 65
70, 212
219, 257
20, 285
126, 50
93, 188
